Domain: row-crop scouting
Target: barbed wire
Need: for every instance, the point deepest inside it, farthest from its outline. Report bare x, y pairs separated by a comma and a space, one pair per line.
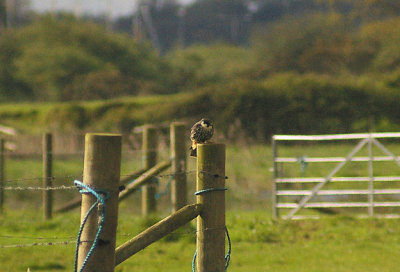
74, 177
70, 187
43, 178
38, 244
35, 238
72, 241
55, 154
30, 188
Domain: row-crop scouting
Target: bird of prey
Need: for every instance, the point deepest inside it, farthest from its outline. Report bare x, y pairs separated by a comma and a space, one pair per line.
201, 132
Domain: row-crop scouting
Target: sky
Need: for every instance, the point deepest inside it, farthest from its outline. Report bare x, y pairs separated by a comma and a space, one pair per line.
94, 7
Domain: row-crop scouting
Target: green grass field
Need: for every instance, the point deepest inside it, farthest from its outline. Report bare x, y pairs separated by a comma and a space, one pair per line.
333, 243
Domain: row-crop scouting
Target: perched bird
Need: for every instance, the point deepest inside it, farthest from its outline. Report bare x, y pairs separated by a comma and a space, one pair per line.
201, 132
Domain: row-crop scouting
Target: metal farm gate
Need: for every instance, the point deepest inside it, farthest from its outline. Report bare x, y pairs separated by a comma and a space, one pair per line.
368, 191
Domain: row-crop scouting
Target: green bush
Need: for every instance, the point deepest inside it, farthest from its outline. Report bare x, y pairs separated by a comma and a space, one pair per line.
289, 103
66, 58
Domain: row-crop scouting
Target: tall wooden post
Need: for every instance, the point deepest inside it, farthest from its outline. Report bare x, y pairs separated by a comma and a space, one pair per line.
47, 148
178, 155
101, 172
149, 156
211, 222
2, 175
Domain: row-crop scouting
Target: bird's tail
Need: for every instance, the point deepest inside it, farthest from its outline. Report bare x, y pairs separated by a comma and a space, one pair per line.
193, 152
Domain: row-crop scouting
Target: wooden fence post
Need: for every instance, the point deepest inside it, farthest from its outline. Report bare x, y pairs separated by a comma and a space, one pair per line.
2, 175
47, 174
101, 171
210, 193
149, 157
178, 155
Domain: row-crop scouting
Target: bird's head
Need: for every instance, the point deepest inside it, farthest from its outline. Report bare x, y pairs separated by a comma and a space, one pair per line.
206, 123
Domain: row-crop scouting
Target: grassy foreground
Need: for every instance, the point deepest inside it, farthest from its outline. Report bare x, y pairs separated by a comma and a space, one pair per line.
258, 244
337, 244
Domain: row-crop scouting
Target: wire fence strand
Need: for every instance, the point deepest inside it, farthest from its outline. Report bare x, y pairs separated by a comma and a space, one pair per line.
75, 177
39, 244
30, 188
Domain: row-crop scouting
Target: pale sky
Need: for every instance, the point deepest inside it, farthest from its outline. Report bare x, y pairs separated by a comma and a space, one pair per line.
96, 7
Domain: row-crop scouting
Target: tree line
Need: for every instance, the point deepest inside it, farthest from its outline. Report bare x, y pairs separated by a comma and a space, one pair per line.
63, 58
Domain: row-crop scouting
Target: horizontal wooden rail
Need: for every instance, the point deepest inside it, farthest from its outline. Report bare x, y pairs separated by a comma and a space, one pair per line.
157, 231
143, 179
76, 202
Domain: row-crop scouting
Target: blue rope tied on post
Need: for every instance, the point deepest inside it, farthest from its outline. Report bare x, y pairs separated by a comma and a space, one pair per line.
303, 164
209, 190
228, 255
166, 190
101, 196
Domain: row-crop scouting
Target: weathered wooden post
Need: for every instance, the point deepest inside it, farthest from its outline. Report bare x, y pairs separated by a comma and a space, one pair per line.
47, 148
178, 155
2, 175
101, 172
211, 194
149, 157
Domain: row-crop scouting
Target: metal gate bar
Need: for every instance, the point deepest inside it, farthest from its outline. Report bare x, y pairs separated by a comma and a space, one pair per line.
327, 178
307, 195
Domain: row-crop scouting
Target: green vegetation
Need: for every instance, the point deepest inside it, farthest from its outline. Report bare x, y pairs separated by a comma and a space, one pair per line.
320, 67
283, 103
335, 243
67, 59
332, 70
258, 244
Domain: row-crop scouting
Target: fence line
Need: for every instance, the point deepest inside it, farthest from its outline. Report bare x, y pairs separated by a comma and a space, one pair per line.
73, 238
38, 244
9, 153
91, 176
74, 177
30, 188
36, 238
177, 232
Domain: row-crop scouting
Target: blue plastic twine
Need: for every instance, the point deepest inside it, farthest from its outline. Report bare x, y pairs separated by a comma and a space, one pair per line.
227, 256
101, 196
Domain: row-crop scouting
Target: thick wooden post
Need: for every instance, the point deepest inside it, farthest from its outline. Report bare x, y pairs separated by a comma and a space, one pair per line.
178, 155
2, 175
149, 156
101, 172
47, 175
211, 222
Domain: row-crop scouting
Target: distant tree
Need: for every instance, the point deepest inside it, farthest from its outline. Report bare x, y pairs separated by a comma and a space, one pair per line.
11, 88
271, 10
217, 20
62, 58
3, 14
17, 12
383, 39
319, 43
200, 65
158, 21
